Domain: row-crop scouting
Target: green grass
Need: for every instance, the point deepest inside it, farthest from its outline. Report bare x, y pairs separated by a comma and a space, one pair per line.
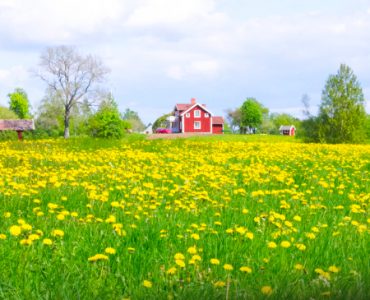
237, 193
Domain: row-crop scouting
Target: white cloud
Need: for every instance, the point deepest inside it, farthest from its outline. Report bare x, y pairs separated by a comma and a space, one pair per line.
13, 75
155, 12
198, 69
162, 43
57, 21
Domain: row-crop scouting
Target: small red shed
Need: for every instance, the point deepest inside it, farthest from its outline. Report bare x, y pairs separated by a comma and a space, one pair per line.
287, 130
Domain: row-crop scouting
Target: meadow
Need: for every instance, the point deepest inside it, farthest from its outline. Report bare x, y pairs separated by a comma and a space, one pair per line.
200, 218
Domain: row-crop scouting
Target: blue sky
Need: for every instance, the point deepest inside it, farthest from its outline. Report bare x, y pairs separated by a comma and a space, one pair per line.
162, 52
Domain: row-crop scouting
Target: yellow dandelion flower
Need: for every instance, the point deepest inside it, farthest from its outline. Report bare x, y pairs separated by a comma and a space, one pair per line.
301, 247
179, 256
219, 284
33, 237
214, 261
148, 284
195, 236
110, 250
192, 250
249, 235
196, 257
26, 242
266, 290
60, 217
334, 269
180, 263
15, 230
310, 235
2, 236
285, 244
171, 271
57, 233
97, 257
246, 269
7, 214
26, 227
297, 218
47, 242
271, 245
298, 267
228, 267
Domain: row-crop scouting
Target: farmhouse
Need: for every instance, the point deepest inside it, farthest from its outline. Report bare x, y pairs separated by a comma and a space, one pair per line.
287, 130
196, 118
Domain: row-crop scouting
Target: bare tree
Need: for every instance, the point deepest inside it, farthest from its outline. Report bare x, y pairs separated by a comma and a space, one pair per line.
71, 75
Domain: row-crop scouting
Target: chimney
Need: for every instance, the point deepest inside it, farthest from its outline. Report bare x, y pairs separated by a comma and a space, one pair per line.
203, 105
193, 101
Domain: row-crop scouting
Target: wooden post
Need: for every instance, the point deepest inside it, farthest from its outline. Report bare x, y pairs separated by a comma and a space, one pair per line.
20, 136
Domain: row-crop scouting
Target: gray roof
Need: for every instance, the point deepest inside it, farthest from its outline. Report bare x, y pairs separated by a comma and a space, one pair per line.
17, 125
286, 127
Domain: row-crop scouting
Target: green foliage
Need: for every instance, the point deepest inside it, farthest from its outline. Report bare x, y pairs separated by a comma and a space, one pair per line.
107, 122
310, 130
160, 122
50, 114
283, 119
19, 104
7, 114
251, 114
133, 118
234, 119
342, 116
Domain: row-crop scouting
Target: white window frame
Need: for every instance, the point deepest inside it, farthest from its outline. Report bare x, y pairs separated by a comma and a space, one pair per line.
198, 127
206, 115
187, 115
197, 113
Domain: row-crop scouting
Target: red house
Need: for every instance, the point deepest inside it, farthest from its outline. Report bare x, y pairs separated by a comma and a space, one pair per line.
195, 117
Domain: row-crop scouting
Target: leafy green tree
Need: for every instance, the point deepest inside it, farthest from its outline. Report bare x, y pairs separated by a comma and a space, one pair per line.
107, 122
342, 115
133, 118
368, 127
18, 102
252, 113
7, 114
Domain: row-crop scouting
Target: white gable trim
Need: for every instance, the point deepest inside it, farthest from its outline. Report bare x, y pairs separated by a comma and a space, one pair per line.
197, 104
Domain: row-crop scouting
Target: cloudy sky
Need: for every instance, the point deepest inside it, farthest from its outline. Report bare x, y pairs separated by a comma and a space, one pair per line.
162, 52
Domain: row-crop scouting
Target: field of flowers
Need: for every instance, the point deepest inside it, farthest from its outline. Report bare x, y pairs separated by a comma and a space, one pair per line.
184, 219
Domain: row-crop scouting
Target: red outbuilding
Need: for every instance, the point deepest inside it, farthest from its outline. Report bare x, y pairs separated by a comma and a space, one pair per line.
287, 130
196, 118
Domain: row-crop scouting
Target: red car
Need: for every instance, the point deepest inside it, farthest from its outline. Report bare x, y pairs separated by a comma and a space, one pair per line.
163, 130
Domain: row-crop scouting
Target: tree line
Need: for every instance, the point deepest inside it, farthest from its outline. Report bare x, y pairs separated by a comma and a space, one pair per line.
342, 116
74, 102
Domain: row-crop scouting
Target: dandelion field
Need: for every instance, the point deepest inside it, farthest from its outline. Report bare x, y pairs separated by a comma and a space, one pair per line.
206, 218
